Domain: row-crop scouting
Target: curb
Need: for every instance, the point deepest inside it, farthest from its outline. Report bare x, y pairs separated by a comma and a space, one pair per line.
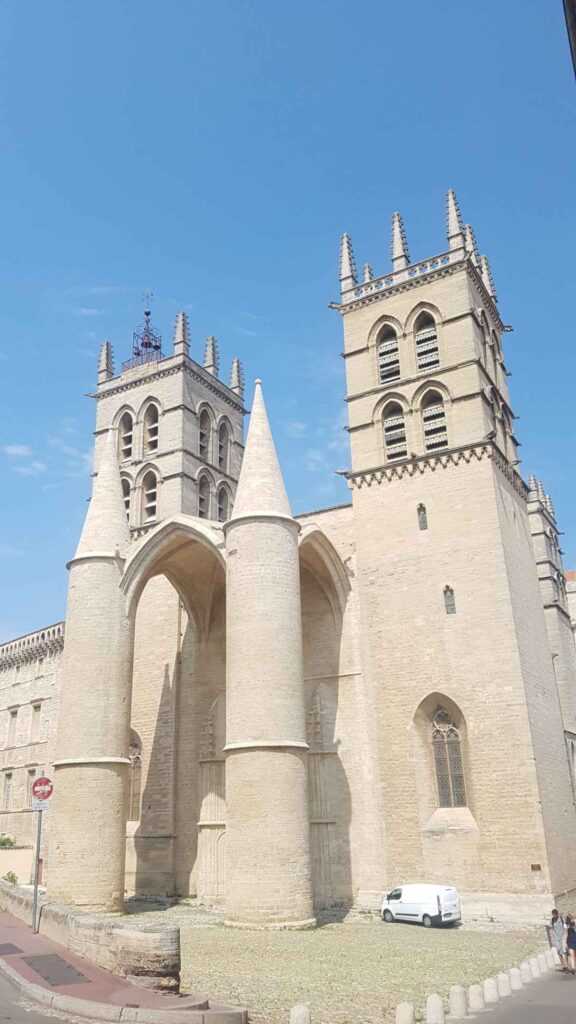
107, 1012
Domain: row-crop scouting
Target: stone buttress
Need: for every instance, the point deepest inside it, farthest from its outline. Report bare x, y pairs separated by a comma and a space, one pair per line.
268, 844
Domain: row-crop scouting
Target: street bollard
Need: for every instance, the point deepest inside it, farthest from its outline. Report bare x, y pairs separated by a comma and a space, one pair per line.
475, 999
503, 983
300, 1014
525, 972
405, 1013
490, 990
457, 1008
434, 1010
515, 976
535, 967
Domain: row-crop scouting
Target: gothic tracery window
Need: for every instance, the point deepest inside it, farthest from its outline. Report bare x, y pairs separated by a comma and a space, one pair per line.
448, 761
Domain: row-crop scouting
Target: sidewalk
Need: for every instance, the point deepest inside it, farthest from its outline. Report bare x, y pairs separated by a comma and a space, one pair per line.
54, 977
551, 1000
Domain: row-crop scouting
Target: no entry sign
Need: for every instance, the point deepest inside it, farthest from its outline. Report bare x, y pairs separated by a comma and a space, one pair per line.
42, 788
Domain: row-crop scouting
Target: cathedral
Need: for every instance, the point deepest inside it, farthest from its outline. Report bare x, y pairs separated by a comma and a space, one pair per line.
288, 715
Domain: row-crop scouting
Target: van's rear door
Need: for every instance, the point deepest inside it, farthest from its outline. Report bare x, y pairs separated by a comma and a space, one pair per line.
450, 904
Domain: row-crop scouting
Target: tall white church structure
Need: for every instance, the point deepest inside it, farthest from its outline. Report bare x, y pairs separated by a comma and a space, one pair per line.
290, 715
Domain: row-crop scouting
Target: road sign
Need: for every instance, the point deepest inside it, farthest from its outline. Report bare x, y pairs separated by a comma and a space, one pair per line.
42, 788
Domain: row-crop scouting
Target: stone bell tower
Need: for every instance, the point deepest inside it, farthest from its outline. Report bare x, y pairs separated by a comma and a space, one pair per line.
448, 585
179, 426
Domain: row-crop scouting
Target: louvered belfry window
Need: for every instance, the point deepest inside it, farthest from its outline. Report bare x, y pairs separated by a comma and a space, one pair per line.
434, 422
448, 762
394, 432
388, 355
426, 335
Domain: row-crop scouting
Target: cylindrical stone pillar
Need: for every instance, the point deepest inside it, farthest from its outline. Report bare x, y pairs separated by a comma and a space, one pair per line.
268, 879
88, 817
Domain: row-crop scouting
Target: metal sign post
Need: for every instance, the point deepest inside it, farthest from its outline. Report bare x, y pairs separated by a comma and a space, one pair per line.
42, 790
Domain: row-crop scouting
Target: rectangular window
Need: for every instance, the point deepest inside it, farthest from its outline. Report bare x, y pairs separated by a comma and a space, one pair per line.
35, 723
29, 783
7, 792
12, 726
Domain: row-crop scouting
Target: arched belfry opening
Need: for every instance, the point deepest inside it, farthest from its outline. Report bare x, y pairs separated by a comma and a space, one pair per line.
175, 586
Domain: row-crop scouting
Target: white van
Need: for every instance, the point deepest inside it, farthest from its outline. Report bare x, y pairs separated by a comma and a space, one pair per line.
427, 904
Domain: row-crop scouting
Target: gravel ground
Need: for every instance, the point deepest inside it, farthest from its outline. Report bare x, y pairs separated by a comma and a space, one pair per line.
350, 973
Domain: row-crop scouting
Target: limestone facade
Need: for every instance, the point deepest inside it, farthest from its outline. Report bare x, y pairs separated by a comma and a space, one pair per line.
291, 715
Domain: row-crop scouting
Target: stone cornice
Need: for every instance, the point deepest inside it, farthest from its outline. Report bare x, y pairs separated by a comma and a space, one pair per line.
365, 293
222, 390
420, 464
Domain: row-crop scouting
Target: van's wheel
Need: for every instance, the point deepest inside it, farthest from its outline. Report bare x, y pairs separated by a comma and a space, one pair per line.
388, 917
427, 921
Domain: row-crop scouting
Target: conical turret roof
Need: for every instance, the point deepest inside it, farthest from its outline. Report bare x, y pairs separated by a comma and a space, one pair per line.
261, 486
105, 527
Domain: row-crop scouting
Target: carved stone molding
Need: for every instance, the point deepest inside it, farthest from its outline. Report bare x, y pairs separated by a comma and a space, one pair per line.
421, 464
32, 647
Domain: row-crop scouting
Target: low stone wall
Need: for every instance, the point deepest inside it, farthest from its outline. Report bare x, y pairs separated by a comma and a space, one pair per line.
149, 956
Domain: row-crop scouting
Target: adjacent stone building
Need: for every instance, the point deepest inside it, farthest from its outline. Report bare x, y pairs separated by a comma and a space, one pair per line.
291, 715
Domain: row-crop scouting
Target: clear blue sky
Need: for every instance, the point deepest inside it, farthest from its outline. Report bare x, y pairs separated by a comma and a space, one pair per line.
213, 153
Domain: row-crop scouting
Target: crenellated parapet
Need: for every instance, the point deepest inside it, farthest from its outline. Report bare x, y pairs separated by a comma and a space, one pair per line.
32, 647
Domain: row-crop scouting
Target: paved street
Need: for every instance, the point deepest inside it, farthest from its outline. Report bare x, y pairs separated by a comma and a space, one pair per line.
549, 1001
13, 1013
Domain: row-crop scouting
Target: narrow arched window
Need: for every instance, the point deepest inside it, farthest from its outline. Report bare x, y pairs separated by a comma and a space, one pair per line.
204, 497
204, 432
426, 336
434, 422
126, 494
388, 355
126, 436
223, 447
449, 600
448, 761
135, 779
422, 517
223, 504
151, 428
394, 432
149, 496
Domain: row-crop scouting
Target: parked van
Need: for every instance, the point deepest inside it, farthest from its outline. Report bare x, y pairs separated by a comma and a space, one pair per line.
427, 904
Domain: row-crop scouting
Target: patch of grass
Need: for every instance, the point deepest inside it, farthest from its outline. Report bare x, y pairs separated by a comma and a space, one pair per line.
350, 973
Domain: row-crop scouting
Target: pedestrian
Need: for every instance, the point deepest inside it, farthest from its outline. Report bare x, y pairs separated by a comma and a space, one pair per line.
571, 942
558, 937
